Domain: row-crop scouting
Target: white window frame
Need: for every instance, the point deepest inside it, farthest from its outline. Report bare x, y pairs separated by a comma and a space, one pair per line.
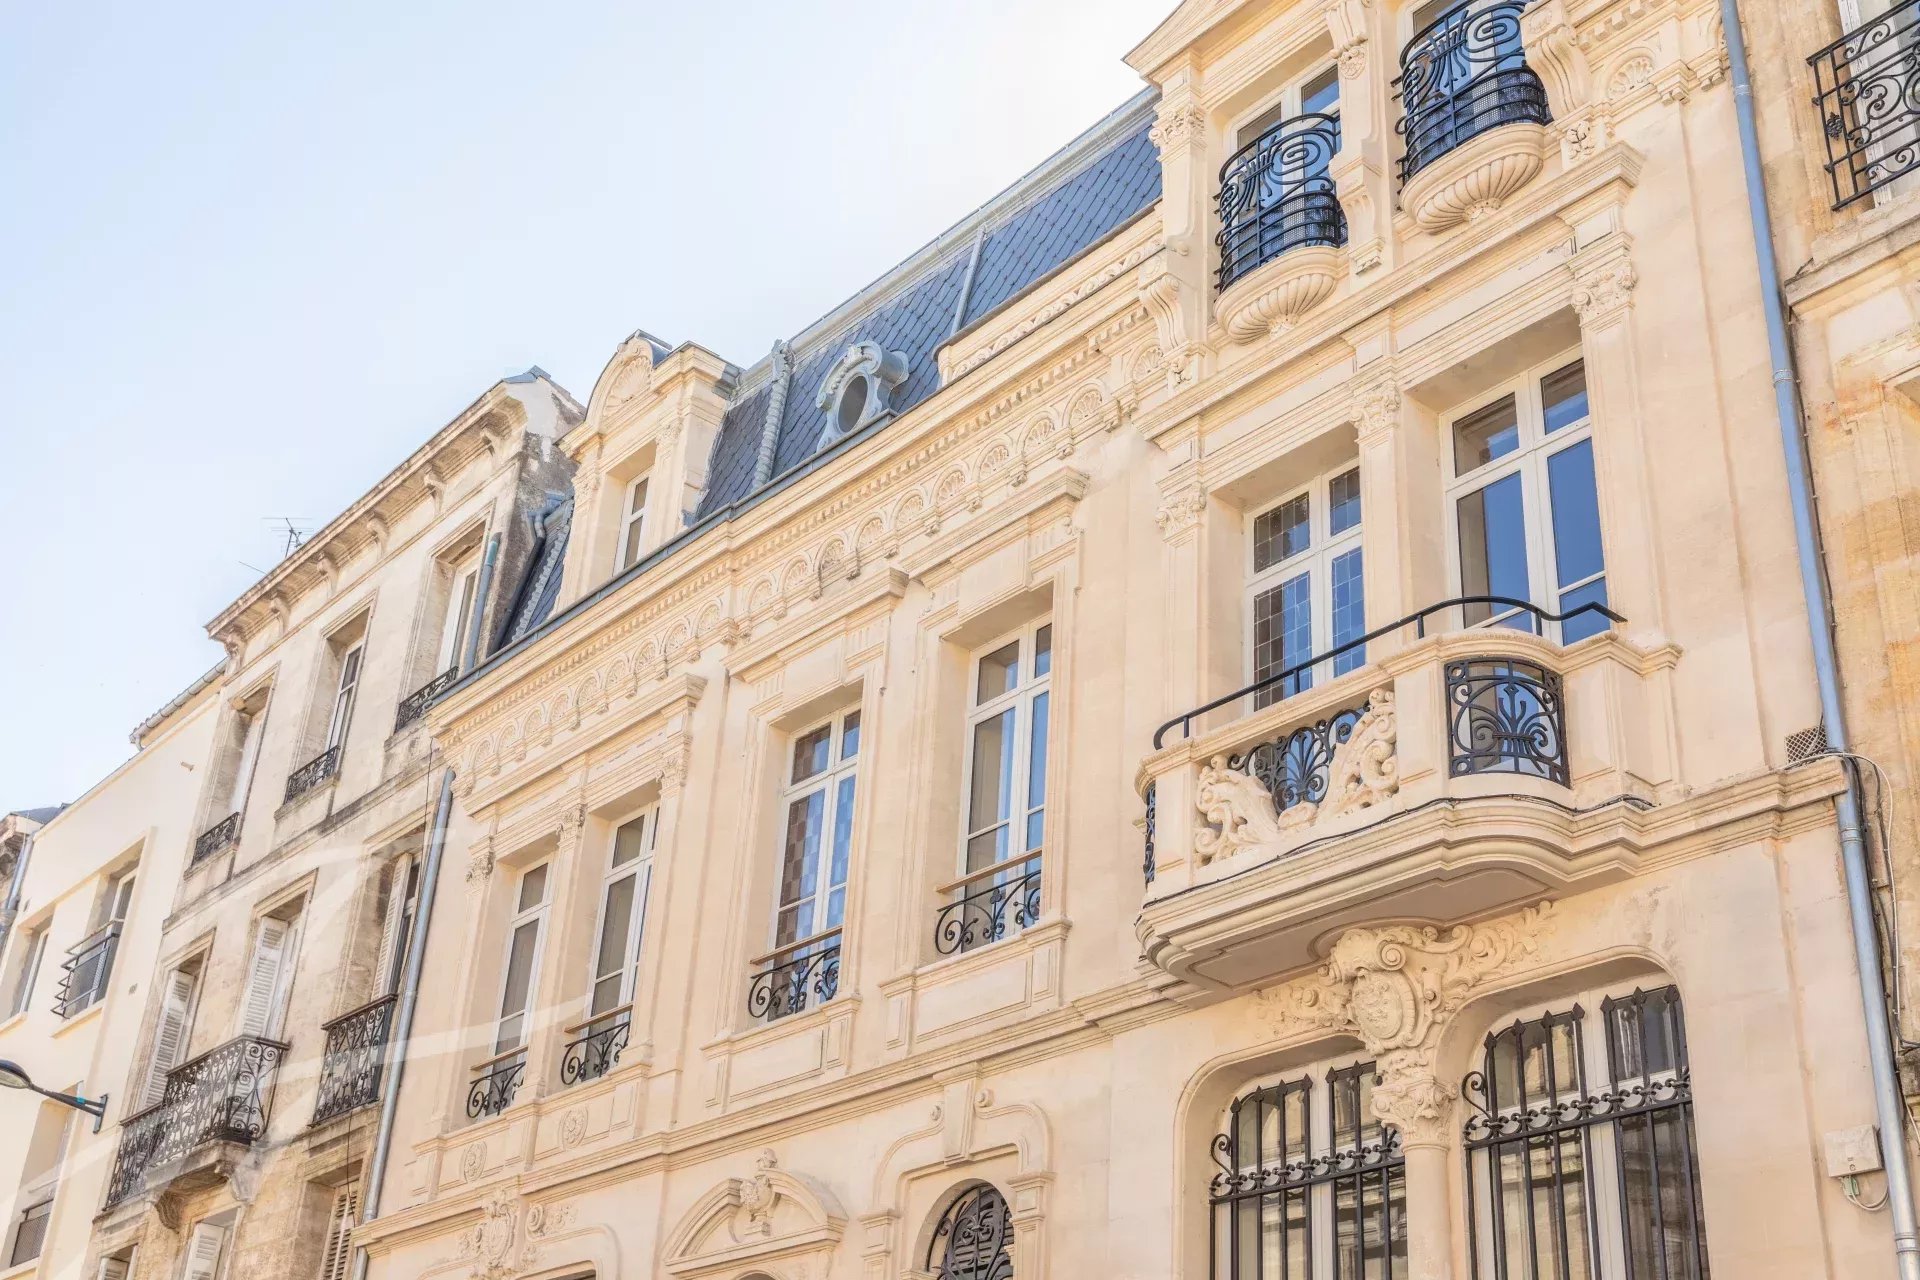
537, 916
839, 766
1323, 548
633, 522
1025, 692
346, 692
253, 731
117, 899
640, 870
1528, 460
462, 587
1282, 104
32, 952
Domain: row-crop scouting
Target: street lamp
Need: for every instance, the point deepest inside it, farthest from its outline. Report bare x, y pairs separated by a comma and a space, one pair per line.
14, 1076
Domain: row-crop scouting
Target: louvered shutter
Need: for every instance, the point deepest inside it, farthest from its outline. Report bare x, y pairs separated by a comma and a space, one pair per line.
113, 1269
346, 1208
258, 1011
393, 922
169, 1033
203, 1252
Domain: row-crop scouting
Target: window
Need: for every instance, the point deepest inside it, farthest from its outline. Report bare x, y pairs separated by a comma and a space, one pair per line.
116, 900
345, 688
116, 1267
1275, 190
1463, 72
524, 936
974, 1238
1311, 1185
810, 901
336, 1260
45, 1151
400, 892
1569, 1183
269, 975
206, 1248
29, 1233
456, 626
1305, 588
1318, 94
31, 951
633, 523
1526, 508
250, 724
172, 1028
623, 910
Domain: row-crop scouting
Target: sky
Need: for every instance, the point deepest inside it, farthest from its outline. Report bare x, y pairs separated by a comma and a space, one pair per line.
252, 254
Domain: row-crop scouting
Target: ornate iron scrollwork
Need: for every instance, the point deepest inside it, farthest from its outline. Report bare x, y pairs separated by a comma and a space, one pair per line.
1152, 820
1868, 94
988, 910
224, 1095
795, 978
974, 1239
355, 1058
1463, 76
312, 774
215, 838
597, 1052
492, 1092
414, 705
1295, 768
1276, 194
1507, 717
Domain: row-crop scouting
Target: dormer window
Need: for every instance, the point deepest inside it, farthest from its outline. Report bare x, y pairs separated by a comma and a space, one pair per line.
858, 390
633, 523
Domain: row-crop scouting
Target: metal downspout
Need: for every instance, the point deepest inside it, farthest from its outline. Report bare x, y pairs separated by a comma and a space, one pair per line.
1888, 1105
409, 1001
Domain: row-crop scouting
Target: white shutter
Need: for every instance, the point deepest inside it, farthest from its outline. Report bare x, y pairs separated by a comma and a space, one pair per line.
169, 1033
203, 1252
339, 1252
259, 1010
113, 1269
249, 757
394, 894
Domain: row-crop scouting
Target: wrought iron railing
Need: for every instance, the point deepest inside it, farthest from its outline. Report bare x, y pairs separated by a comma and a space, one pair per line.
215, 838
794, 977
1506, 715
354, 1061
415, 704
597, 1048
1463, 76
1868, 94
498, 1079
1276, 194
1152, 822
29, 1233
85, 971
1537, 620
988, 904
312, 774
224, 1095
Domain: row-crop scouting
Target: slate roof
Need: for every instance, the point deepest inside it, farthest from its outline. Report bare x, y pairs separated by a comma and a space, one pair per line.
1094, 186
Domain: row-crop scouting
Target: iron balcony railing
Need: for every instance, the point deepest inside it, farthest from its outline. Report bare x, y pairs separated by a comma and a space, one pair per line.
597, 1046
312, 774
1276, 194
215, 838
988, 904
495, 1082
1867, 90
355, 1059
789, 979
414, 705
85, 971
224, 1095
1463, 76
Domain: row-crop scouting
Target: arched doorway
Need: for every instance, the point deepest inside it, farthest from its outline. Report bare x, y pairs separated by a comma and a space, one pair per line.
974, 1239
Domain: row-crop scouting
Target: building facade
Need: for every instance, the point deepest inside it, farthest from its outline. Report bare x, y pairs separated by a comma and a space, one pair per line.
1248, 713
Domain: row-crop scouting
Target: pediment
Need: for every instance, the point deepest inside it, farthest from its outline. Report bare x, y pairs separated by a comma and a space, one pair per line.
761, 1220
627, 377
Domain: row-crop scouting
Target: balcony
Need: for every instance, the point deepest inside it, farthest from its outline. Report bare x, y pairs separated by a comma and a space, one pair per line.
988, 905
789, 979
85, 971
413, 707
1473, 116
495, 1083
1456, 775
312, 774
1868, 94
596, 1047
214, 839
354, 1061
222, 1097
1281, 227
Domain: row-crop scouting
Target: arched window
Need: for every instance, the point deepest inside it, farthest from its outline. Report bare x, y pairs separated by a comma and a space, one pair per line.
974, 1240
1571, 1182
1311, 1185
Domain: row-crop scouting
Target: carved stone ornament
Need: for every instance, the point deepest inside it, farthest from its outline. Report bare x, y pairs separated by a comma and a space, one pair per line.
1365, 770
1181, 513
746, 1225
858, 389
1353, 59
480, 864
487, 1246
573, 1127
1605, 292
1474, 179
1376, 407
756, 1194
1274, 296
1397, 987
1177, 126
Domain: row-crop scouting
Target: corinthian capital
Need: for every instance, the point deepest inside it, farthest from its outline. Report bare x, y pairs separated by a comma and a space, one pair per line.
1178, 125
1603, 292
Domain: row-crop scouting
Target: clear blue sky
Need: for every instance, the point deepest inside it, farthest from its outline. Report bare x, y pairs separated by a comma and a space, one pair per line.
255, 253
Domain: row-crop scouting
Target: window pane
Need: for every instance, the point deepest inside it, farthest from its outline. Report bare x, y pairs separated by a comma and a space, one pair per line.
630, 542
987, 807
1347, 597
800, 861
629, 842
1343, 501
1281, 533
1283, 636
1037, 774
811, 752
842, 835
513, 1000
850, 736
1043, 651
1563, 396
1587, 624
533, 888
1576, 514
1486, 434
1493, 545
1322, 93
616, 919
999, 673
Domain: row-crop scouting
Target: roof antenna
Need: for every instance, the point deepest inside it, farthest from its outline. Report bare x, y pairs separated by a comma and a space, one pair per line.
292, 534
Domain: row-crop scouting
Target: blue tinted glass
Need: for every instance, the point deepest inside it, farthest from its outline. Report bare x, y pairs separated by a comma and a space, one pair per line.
1343, 502
1587, 624
1347, 599
1283, 636
1563, 396
1322, 93
1493, 546
842, 833
1281, 533
1576, 514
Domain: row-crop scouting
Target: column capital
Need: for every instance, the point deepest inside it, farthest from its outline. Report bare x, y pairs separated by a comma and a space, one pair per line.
1376, 405
1603, 289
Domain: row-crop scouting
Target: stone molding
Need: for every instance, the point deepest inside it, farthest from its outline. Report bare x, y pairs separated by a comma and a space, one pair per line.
768, 1216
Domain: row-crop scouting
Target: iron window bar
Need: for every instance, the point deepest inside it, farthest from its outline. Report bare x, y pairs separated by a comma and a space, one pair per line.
312, 774
86, 970
30, 1232
1417, 619
1276, 194
1867, 91
991, 903
1506, 715
498, 1079
1464, 75
354, 1060
598, 1050
414, 706
788, 979
224, 1095
215, 838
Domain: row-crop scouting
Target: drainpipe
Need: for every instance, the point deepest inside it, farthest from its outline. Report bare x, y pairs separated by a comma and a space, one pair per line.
409, 1001
11, 908
1887, 1102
